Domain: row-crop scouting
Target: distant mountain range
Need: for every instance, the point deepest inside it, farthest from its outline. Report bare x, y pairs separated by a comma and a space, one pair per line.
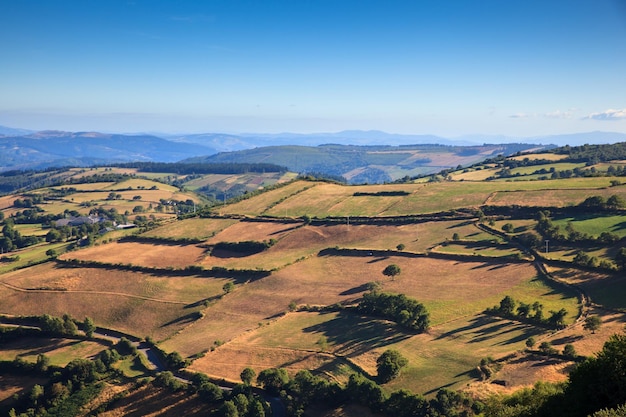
55, 148
24, 149
229, 143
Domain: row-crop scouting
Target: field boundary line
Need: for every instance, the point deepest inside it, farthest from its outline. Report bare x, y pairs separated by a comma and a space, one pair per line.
62, 291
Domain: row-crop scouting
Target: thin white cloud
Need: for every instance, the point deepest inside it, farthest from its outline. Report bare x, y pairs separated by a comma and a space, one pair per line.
609, 114
521, 116
558, 114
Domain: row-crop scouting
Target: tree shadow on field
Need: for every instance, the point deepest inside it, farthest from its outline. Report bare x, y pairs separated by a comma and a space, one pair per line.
373, 261
475, 323
482, 265
299, 225
186, 319
461, 224
354, 335
50, 348
355, 290
484, 334
567, 339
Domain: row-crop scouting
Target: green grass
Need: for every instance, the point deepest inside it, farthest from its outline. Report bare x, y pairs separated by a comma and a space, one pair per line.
595, 225
558, 166
32, 254
31, 229
133, 366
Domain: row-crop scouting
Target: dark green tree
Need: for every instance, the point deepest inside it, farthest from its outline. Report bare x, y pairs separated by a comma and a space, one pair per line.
89, 327
569, 351
391, 270
273, 379
389, 365
507, 306
592, 323
620, 258
247, 376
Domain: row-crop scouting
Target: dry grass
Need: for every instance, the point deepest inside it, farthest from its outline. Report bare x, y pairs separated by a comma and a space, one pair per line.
547, 156
449, 289
15, 384
195, 228
258, 231
554, 198
296, 243
7, 201
133, 302
143, 254
149, 401
60, 351
257, 205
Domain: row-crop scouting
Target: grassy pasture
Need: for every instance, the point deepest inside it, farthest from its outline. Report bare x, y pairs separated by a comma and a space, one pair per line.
474, 174
31, 229
78, 173
32, 254
93, 186
595, 225
258, 204
444, 355
195, 228
144, 254
558, 166
449, 289
605, 289
322, 200
533, 157
554, 198
141, 184
60, 351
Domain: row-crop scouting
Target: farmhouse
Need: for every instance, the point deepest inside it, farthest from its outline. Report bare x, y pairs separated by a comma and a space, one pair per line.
78, 221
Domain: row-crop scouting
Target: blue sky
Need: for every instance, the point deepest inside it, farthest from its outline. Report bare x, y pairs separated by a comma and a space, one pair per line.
518, 68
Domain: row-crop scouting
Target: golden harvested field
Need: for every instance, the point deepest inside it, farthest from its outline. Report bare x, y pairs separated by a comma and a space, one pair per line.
195, 228
309, 240
547, 156
136, 183
258, 204
555, 198
144, 254
7, 201
90, 186
88, 172
323, 199
133, 302
243, 231
474, 175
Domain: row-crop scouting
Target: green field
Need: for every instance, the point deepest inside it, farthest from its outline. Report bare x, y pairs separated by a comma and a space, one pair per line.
595, 225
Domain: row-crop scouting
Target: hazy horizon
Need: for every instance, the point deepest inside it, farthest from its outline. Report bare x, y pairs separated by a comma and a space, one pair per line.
450, 69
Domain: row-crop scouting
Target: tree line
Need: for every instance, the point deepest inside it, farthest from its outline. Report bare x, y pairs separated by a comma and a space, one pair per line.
403, 310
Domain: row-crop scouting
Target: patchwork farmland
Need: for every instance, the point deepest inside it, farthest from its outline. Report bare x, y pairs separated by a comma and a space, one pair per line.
275, 279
